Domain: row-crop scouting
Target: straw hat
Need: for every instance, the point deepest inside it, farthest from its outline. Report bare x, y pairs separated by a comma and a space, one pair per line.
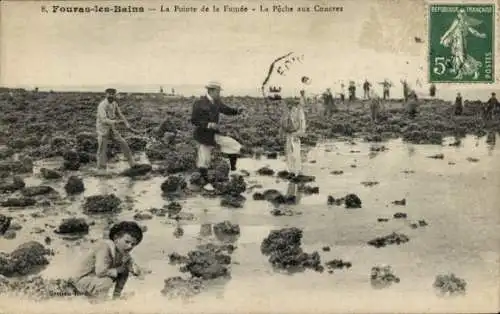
213, 84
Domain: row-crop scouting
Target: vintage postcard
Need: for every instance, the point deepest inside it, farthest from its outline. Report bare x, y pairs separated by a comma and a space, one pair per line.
211, 156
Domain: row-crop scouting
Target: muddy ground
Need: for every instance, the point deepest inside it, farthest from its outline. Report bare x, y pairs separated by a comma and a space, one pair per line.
396, 207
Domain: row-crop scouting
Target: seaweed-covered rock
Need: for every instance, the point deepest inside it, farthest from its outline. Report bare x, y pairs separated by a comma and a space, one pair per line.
102, 203
275, 197
219, 170
71, 160
6, 152
173, 184
382, 277
173, 209
234, 187
177, 287
27, 258
226, 231
137, 143
50, 174
285, 253
24, 165
400, 202
306, 189
301, 178
15, 184
399, 215
4, 223
436, 156
206, 230
338, 264
282, 211
207, 264
393, 238
143, 216
285, 175
74, 185
31, 191
137, 170
176, 258
73, 226
335, 201
232, 201
352, 201
449, 284
265, 171
18, 202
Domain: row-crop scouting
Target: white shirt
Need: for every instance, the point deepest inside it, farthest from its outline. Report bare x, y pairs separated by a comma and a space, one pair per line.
106, 111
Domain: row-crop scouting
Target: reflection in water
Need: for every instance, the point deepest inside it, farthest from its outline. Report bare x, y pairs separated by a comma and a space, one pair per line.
294, 189
411, 150
103, 186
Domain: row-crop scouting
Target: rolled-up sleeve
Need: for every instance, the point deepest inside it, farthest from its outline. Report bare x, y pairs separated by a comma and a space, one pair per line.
102, 115
228, 110
104, 262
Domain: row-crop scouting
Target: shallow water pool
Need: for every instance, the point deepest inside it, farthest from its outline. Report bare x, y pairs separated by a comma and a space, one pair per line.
455, 196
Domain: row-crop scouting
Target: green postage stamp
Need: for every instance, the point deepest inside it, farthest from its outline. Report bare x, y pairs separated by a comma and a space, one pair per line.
462, 43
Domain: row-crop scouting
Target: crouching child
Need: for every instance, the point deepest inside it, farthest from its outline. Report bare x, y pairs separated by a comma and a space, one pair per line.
109, 264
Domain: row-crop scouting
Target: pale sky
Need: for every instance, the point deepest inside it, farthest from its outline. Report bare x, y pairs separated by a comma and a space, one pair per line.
370, 38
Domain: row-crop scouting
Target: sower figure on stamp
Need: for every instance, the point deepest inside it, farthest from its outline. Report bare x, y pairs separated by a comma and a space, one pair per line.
109, 264
205, 118
108, 115
456, 38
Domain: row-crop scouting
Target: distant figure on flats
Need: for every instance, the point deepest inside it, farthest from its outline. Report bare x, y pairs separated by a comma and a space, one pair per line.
432, 90
108, 115
352, 91
375, 106
366, 89
293, 126
412, 104
459, 105
406, 89
342, 93
109, 264
386, 85
491, 106
328, 102
205, 118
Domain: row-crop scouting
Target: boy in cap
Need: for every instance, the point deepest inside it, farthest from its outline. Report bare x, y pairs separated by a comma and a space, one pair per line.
109, 263
205, 118
108, 115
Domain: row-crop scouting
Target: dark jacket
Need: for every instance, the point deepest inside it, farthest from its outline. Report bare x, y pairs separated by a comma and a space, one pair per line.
205, 112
